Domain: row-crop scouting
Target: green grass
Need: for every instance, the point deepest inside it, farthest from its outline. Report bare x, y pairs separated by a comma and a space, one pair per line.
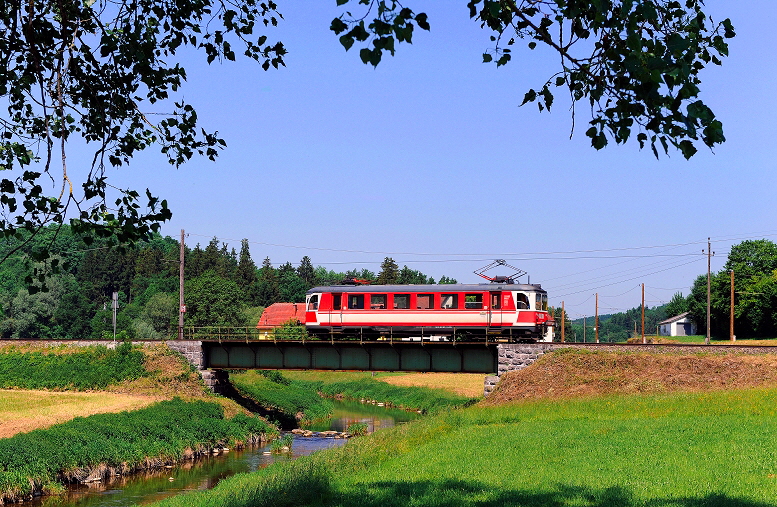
160, 433
688, 450
273, 391
416, 398
365, 385
89, 368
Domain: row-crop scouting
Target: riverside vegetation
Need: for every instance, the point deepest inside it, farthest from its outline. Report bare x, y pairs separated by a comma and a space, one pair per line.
304, 394
90, 448
604, 449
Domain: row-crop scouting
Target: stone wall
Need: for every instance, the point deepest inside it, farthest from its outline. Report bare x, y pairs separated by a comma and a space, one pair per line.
191, 350
216, 380
516, 356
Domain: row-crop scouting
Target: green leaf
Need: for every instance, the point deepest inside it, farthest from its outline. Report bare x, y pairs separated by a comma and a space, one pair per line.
530, 96
687, 148
487, 58
346, 41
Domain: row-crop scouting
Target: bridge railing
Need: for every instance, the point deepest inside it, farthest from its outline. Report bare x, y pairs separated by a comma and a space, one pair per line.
248, 333
299, 333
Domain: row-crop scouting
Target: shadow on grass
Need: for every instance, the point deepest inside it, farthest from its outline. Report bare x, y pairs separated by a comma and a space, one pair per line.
475, 494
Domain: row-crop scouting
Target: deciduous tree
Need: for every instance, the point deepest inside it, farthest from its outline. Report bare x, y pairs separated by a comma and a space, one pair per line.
90, 70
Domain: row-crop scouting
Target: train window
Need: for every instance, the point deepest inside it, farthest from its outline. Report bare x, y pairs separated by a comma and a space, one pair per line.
378, 301
496, 304
473, 301
424, 301
356, 301
538, 302
401, 301
449, 301
521, 301
545, 302
313, 303
337, 301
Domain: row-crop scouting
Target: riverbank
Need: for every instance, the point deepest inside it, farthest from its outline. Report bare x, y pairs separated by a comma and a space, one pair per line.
303, 397
672, 449
91, 448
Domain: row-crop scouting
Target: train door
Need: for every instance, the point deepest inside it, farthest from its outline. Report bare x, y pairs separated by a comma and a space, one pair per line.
336, 316
495, 309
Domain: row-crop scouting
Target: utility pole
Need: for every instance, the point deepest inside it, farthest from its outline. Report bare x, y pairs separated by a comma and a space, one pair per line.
181, 306
709, 253
731, 316
643, 314
562, 322
584, 318
596, 320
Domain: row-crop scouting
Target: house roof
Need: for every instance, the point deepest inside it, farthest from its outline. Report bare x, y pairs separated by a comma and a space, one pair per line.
674, 319
278, 314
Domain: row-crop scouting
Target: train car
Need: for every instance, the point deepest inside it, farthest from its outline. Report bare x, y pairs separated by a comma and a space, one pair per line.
512, 312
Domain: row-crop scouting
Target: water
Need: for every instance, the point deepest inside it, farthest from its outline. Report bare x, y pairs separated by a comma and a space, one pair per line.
206, 472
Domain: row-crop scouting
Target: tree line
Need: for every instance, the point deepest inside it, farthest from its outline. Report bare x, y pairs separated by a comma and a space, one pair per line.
67, 294
754, 264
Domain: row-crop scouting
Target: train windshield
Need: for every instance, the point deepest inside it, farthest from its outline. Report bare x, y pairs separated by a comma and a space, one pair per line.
541, 302
313, 303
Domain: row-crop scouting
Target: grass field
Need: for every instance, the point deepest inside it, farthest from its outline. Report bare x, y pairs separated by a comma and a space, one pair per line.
714, 449
463, 384
22, 411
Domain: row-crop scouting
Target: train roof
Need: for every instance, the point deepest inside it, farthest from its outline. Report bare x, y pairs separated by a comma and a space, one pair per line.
454, 287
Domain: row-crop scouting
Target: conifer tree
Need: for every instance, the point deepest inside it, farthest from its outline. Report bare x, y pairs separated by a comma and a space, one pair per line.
306, 272
389, 272
245, 274
268, 292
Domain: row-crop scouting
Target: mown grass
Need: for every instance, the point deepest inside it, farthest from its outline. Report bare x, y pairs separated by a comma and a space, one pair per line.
89, 368
681, 449
162, 433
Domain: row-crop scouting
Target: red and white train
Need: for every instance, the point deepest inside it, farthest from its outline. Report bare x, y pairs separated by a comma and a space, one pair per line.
513, 312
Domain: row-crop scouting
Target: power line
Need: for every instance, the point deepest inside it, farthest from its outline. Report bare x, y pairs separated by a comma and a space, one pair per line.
628, 280
520, 255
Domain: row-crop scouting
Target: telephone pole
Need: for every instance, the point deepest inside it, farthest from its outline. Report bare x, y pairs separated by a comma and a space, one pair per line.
181, 307
643, 314
596, 320
731, 313
562, 322
709, 253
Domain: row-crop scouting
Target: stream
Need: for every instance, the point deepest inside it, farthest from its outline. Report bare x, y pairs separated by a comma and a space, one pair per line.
206, 472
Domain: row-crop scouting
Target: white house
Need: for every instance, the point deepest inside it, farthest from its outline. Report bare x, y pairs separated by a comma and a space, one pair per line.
679, 325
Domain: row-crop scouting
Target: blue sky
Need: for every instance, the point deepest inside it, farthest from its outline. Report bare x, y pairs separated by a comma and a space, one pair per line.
430, 153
